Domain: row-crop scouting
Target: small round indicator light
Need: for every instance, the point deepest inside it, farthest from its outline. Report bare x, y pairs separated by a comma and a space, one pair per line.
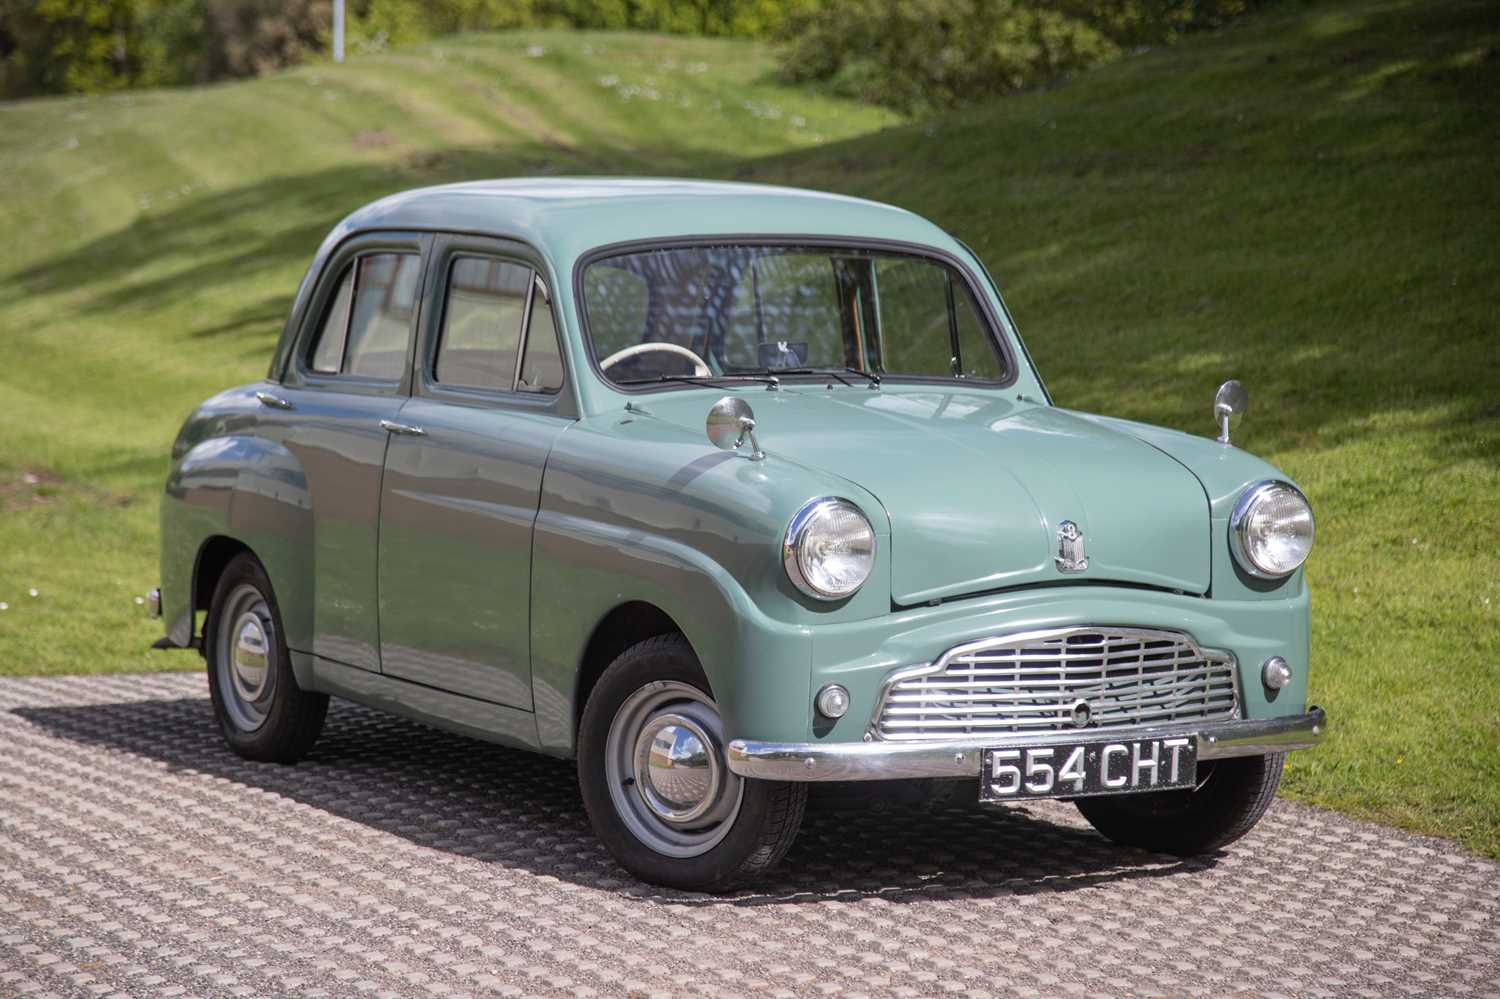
1275, 674
832, 701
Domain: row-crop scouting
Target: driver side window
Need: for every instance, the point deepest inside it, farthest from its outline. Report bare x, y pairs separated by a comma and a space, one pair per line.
493, 311
485, 306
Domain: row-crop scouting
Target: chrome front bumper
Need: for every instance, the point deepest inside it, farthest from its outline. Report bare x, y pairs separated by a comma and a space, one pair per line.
961, 758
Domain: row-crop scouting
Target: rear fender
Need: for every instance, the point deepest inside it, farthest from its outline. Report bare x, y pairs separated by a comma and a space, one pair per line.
253, 491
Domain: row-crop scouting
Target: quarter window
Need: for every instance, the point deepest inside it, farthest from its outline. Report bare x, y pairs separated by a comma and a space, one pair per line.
328, 354
368, 324
541, 367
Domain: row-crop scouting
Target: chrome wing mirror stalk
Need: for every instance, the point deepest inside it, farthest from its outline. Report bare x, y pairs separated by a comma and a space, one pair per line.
730, 421
1230, 403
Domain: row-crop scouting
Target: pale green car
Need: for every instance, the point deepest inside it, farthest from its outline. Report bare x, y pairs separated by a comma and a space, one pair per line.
723, 490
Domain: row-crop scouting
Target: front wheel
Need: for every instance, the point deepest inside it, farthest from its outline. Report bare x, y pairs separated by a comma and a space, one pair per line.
262, 711
1229, 800
655, 781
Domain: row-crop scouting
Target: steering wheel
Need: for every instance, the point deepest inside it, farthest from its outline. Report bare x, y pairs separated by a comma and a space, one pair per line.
699, 368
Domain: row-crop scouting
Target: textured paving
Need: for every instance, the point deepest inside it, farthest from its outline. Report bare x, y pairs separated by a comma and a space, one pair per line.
138, 857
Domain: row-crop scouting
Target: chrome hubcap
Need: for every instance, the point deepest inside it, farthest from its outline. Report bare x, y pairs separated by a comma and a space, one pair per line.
251, 657
244, 662
677, 774
664, 760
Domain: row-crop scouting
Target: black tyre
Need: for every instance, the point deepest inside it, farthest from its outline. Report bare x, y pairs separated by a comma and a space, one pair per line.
263, 713
658, 791
1231, 797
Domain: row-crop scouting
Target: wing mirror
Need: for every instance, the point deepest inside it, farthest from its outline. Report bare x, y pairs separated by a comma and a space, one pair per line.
730, 421
1230, 403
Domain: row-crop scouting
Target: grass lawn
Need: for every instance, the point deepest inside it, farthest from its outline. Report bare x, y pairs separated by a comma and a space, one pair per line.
1308, 201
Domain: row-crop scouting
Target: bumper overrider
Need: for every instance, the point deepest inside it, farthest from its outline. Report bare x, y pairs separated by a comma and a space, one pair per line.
878, 760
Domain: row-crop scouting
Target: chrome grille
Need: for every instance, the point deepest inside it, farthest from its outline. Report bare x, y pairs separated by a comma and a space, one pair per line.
1036, 681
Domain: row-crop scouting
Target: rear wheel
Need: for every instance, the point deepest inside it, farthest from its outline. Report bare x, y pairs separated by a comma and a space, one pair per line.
656, 783
1229, 800
263, 713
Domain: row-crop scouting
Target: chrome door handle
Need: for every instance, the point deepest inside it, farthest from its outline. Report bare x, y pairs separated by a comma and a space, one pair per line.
274, 401
392, 427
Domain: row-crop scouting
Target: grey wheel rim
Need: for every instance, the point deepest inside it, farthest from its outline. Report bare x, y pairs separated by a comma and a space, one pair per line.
664, 762
245, 657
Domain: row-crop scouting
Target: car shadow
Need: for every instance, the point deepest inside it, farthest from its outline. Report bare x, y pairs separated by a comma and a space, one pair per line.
523, 811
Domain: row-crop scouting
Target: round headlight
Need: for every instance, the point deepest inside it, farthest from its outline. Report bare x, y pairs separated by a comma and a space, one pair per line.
829, 549
1271, 529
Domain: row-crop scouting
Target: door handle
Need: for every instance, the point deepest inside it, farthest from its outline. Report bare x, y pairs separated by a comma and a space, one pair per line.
392, 427
274, 401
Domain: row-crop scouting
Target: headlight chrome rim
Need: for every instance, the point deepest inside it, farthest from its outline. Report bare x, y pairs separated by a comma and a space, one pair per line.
1239, 527
796, 533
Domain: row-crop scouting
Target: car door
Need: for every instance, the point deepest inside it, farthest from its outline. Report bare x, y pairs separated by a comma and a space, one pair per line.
463, 483
345, 383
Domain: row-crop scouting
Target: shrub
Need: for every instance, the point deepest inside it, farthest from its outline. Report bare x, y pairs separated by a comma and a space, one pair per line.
254, 37
919, 55
87, 46
374, 22
51, 46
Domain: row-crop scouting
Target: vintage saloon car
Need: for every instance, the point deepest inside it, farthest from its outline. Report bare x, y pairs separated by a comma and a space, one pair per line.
475, 489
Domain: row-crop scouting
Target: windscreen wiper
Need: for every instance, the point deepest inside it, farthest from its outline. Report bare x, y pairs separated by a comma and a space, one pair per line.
830, 372
702, 379
874, 378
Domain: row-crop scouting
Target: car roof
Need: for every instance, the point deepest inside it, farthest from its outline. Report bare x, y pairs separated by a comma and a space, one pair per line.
566, 216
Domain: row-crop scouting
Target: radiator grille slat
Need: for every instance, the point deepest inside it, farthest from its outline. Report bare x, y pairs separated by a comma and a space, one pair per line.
1034, 682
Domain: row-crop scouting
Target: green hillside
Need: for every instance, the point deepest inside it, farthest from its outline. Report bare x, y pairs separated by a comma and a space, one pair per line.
1308, 201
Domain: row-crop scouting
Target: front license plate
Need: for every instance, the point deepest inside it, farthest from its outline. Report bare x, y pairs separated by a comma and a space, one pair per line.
1076, 769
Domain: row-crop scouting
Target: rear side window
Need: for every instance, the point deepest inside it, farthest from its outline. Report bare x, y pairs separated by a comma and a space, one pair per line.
486, 306
368, 324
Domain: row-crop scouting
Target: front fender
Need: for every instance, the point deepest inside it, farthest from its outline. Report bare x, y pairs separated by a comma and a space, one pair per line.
1226, 472
583, 568
635, 508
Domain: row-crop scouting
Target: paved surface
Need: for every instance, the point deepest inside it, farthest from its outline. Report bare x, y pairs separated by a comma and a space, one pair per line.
138, 857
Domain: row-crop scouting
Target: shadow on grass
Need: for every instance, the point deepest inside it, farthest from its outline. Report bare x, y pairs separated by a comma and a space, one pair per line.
522, 810
221, 239
254, 318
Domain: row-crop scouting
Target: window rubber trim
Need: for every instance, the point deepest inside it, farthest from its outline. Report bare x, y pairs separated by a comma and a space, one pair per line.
993, 322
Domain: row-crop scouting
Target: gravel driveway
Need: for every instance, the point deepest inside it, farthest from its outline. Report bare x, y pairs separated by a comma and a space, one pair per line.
138, 857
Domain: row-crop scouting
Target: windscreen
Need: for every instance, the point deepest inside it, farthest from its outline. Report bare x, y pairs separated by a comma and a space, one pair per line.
706, 311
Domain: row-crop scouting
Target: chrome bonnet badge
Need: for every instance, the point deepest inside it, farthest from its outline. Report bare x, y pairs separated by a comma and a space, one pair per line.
1071, 556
